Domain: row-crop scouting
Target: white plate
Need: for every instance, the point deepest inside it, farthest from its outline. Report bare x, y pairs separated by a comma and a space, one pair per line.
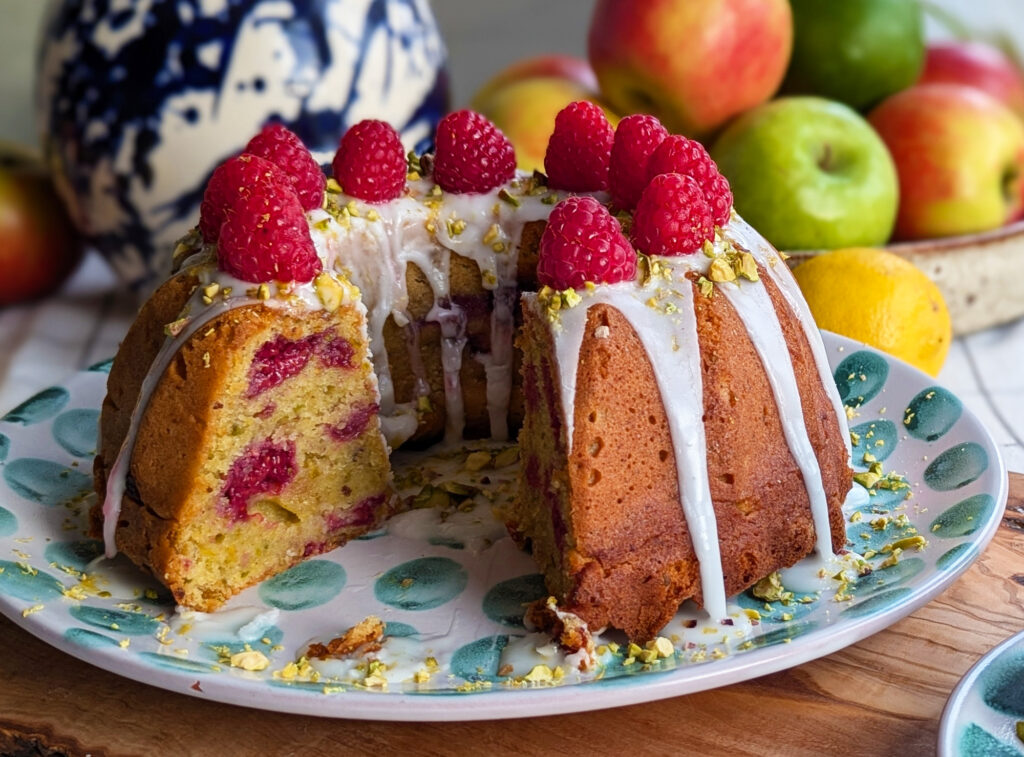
983, 712
453, 591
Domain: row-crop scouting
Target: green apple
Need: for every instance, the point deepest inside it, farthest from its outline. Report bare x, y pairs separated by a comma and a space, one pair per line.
855, 51
810, 173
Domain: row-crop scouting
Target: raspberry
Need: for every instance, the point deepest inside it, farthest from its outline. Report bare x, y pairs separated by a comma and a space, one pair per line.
677, 154
636, 137
579, 149
672, 217
583, 242
285, 150
370, 162
472, 155
719, 197
264, 468
231, 181
266, 237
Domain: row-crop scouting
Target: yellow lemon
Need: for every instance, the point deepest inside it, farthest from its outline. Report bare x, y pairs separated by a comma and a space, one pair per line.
881, 299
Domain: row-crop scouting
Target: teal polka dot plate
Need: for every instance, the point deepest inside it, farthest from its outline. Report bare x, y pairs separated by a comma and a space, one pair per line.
450, 588
984, 716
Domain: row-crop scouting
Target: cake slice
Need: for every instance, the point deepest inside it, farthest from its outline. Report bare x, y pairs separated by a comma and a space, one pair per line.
240, 431
682, 436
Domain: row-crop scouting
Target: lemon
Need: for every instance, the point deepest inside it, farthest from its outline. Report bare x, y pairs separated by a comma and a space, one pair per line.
880, 299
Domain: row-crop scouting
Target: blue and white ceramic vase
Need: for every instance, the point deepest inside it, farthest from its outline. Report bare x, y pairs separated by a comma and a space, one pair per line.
139, 101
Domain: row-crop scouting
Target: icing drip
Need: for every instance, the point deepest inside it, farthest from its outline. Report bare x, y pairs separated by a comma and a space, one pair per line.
746, 236
375, 245
754, 307
232, 293
662, 314
670, 340
498, 363
453, 341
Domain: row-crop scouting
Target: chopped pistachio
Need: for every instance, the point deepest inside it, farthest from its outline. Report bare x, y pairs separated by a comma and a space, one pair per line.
333, 186
663, 647
330, 292
867, 479
911, 542
511, 199
174, 328
747, 267
250, 659
539, 674
706, 287
770, 589
506, 457
478, 460
721, 271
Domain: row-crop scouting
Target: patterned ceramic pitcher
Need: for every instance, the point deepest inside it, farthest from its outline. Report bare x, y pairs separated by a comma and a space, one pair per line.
138, 101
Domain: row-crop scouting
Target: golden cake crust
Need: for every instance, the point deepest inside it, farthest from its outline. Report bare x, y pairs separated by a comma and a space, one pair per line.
627, 559
168, 490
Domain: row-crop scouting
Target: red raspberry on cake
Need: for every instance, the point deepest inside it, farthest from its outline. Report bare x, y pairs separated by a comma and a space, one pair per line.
232, 180
284, 149
636, 138
583, 242
672, 217
370, 163
677, 154
266, 236
472, 154
579, 149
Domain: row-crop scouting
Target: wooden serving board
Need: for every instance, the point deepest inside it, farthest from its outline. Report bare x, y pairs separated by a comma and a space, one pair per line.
883, 696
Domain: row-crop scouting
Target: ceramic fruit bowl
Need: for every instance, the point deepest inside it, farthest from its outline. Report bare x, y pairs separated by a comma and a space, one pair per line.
979, 275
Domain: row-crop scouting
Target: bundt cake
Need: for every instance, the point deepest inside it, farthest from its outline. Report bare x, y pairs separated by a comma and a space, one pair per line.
251, 408
676, 444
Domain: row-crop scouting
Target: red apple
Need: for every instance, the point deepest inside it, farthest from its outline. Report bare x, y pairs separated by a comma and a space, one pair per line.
38, 244
959, 154
978, 65
693, 63
566, 67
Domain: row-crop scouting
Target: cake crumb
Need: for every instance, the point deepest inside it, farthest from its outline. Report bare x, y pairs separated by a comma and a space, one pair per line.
602, 332
362, 638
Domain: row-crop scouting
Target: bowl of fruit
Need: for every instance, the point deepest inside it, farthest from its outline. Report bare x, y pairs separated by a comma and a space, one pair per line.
881, 124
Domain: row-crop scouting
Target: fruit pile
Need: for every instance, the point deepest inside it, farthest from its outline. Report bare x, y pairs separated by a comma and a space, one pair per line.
871, 136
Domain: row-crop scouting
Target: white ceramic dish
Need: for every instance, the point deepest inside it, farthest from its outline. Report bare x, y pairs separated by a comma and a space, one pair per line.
984, 716
453, 590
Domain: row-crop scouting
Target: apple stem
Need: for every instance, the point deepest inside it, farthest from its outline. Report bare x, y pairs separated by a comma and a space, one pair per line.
825, 161
1012, 187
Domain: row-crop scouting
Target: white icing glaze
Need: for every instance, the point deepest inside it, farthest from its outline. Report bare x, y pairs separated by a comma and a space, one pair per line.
661, 312
745, 235
754, 307
375, 244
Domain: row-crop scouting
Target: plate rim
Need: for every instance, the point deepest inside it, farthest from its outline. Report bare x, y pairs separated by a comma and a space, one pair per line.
946, 740
435, 706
